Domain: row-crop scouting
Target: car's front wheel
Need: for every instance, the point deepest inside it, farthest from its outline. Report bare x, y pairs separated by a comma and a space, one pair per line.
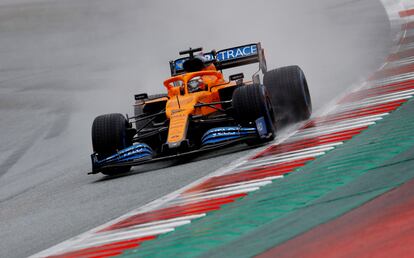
109, 135
251, 102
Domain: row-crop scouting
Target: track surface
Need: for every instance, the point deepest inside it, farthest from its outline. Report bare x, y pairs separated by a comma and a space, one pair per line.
64, 62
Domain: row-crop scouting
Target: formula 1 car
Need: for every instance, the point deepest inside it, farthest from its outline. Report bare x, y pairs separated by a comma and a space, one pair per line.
202, 110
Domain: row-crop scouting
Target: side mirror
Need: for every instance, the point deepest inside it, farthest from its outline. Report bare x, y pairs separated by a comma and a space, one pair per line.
141, 96
237, 76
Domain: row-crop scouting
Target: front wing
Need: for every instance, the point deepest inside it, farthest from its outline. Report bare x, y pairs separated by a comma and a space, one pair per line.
215, 138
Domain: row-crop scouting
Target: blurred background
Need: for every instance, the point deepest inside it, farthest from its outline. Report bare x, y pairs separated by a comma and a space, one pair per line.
63, 62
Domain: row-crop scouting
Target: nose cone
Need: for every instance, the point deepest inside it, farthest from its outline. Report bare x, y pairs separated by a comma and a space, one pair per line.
177, 131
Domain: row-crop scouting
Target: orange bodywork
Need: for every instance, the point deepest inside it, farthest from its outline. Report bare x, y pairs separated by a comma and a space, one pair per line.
181, 103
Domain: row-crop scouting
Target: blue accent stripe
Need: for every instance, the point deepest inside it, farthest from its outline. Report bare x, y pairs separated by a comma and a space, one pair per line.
137, 151
221, 134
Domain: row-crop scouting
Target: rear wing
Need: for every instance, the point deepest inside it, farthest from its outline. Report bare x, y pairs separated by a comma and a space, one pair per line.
228, 58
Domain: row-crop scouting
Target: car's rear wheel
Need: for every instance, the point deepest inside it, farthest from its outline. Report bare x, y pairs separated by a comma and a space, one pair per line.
251, 102
289, 92
109, 135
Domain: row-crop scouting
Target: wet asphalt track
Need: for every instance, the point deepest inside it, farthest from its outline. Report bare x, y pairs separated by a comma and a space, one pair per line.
63, 62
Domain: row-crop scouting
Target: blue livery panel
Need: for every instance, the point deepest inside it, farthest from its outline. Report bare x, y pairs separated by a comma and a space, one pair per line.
222, 134
137, 151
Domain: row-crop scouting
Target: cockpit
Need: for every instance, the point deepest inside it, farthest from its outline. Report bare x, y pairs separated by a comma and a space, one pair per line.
196, 84
192, 82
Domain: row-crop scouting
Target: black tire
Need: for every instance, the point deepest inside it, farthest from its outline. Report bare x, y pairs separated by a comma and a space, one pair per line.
109, 135
289, 92
139, 109
251, 102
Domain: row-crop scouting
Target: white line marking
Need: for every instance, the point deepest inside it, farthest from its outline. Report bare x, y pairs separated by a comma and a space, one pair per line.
79, 244
162, 222
401, 62
95, 241
212, 196
329, 131
405, 47
394, 79
371, 118
279, 160
343, 123
325, 147
230, 188
372, 103
408, 33
224, 190
270, 178
130, 232
330, 128
377, 100
292, 154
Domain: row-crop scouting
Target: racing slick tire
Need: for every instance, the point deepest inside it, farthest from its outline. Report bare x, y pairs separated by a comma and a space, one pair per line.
289, 92
139, 109
251, 102
109, 135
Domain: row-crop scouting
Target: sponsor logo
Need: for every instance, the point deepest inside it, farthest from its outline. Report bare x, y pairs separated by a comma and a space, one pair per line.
225, 55
219, 134
176, 111
228, 129
261, 126
179, 64
133, 152
235, 53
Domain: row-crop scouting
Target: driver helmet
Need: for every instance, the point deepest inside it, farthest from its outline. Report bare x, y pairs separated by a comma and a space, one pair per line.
195, 85
197, 63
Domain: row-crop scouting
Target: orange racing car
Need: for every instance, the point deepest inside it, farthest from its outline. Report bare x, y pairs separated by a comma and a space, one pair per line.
202, 110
